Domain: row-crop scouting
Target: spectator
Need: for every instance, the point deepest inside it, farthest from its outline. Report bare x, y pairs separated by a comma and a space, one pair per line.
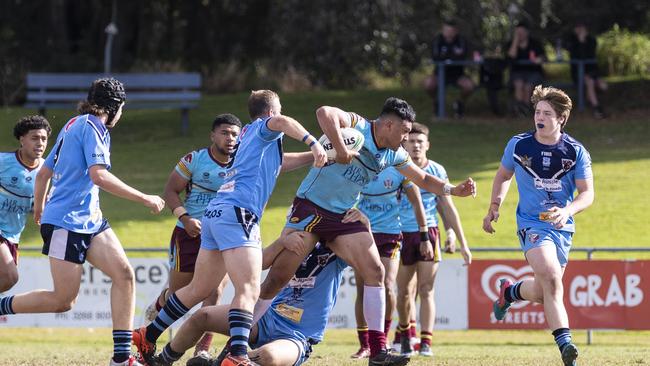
526, 55
449, 45
582, 46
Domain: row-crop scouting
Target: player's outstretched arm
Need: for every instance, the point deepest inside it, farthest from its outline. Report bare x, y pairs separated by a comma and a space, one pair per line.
436, 185
41, 185
296, 160
500, 187
113, 185
331, 120
296, 131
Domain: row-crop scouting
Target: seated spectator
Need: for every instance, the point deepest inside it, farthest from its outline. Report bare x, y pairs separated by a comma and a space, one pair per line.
582, 46
449, 45
525, 55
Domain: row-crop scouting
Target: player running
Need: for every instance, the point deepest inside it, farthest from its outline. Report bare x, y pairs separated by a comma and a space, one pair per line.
18, 171
72, 225
549, 166
328, 192
230, 232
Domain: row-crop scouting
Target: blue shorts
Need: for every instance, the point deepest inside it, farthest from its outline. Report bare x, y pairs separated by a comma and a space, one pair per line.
530, 238
68, 245
225, 226
272, 327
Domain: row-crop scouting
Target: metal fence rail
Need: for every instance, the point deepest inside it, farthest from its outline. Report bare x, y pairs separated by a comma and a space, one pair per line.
440, 73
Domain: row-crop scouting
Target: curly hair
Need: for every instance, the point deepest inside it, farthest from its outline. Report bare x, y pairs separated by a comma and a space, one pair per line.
28, 123
398, 107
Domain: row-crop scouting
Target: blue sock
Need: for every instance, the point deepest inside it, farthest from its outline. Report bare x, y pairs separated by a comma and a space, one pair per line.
513, 293
172, 311
121, 345
240, 322
169, 355
5, 305
562, 337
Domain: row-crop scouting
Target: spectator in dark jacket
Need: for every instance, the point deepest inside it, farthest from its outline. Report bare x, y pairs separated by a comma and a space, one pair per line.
526, 56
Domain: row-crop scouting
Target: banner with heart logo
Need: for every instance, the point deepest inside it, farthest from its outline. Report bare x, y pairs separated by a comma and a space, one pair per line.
597, 294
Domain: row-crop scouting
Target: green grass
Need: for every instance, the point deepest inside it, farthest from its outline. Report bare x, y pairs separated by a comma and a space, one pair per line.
147, 144
467, 348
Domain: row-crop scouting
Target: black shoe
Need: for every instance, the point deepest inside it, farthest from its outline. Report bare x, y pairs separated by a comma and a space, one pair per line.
201, 359
599, 113
159, 360
569, 354
385, 358
222, 355
406, 349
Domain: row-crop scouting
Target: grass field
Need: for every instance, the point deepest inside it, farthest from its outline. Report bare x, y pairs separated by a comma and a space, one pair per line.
461, 348
146, 145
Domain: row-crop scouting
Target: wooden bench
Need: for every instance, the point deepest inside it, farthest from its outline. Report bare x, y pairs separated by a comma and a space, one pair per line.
143, 91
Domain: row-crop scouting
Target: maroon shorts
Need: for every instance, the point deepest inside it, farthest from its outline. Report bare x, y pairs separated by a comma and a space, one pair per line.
306, 216
388, 245
411, 247
183, 250
13, 248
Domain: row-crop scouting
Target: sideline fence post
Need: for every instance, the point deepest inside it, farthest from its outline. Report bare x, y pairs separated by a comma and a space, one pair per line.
590, 332
581, 91
441, 89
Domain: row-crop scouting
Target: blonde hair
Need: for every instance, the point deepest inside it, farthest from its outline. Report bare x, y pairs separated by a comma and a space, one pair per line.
260, 101
557, 98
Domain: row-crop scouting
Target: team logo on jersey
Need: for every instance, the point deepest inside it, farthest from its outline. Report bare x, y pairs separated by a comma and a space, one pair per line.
533, 237
222, 174
188, 158
29, 179
567, 164
546, 161
14, 179
294, 219
322, 259
206, 175
526, 161
388, 183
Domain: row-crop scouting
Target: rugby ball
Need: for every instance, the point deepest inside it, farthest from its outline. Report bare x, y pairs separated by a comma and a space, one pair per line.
352, 138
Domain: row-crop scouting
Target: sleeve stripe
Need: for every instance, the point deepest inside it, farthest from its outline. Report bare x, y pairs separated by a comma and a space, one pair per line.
182, 168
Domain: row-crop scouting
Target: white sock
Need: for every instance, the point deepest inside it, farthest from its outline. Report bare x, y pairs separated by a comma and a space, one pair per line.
261, 306
374, 307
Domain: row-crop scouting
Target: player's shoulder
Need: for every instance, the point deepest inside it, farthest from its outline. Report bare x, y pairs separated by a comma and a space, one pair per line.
568, 139
436, 166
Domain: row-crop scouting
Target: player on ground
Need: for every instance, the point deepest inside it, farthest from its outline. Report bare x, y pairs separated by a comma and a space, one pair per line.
327, 193
380, 203
549, 166
296, 321
199, 174
18, 171
72, 225
420, 259
230, 233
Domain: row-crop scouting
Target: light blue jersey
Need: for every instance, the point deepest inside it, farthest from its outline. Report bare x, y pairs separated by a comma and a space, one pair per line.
73, 201
546, 176
379, 201
16, 194
429, 201
253, 168
305, 303
205, 175
337, 187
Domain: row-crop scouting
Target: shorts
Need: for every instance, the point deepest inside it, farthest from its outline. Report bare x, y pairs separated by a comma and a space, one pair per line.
272, 327
306, 216
183, 250
590, 70
224, 226
535, 238
13, 248
388, 245
533, 78
411, 247
68, 245
452, 74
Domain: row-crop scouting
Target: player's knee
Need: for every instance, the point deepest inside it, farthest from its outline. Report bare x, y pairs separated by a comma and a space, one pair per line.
8, 279
267, 357
198, 319
64, 304
551, 283
425, 288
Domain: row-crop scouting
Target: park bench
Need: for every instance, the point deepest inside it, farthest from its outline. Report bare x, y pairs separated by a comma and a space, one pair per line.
143, 91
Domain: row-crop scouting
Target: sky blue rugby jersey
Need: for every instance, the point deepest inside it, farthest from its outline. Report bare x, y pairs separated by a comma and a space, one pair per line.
429, 201
16, 194
546, 176
305, 303
336, 187
379, 201
73, 201
253, 168
205, 175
